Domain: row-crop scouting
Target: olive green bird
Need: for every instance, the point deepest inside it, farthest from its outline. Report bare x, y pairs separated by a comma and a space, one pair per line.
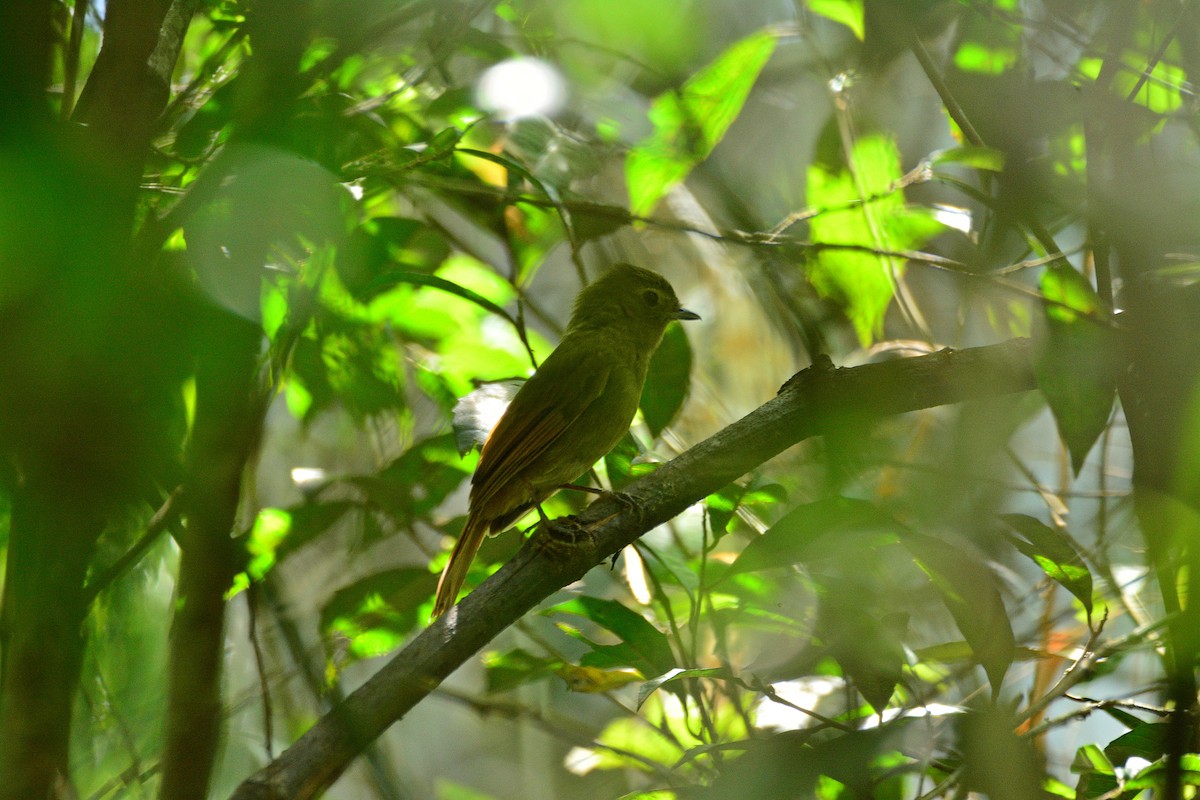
571, 413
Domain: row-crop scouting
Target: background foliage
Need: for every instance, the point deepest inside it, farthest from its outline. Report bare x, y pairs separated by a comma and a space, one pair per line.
254, 253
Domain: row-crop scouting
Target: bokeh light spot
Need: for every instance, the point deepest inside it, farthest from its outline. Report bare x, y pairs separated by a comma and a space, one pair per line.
521, 87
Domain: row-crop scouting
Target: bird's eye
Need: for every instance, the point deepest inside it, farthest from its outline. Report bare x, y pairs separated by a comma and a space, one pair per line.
651, 297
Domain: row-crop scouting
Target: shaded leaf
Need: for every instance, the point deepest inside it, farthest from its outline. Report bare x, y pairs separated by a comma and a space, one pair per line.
1055, 553
667, 381
382, 243
644, 646
509, 669
815, 530
788, 765
654, 684
1148, 741
968, 590
310, 521
1074, 370
867, 642
996, 761
416, 481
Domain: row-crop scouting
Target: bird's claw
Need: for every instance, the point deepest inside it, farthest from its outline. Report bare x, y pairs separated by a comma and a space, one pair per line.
560, 536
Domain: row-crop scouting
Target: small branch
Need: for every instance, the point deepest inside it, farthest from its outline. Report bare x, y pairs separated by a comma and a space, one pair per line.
811, 403
163, 517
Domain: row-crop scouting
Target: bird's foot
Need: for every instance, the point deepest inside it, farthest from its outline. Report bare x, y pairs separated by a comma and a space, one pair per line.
560, 536
629, 505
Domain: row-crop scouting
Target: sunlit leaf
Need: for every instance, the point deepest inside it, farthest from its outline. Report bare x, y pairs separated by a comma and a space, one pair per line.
593, 680
847, 12
984, 58
1090, 758
1055, 553
393, 277
721, 506
689, 123
629, 743
373, 614
860, 208
983, 158
1154, 776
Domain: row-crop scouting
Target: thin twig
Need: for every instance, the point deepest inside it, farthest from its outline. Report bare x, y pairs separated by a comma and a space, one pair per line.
163, 517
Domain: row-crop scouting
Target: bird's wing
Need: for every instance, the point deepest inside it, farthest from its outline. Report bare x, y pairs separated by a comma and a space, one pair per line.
544, 407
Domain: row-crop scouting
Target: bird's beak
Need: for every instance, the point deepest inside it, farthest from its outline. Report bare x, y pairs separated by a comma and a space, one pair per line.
683, 313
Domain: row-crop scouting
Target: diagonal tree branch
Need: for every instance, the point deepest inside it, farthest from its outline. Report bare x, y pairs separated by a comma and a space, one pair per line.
813, 402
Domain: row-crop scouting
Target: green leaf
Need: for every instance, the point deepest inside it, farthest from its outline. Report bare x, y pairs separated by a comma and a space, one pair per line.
1055, 553
816, 530
654, 684
1090, 758
1075, 368
375, 612
861, 209
689, 123
668, 380
789, 765
379, 245
984, 158
996, 761
1148, 741
968, 590
509, 669
864, 638
847, 12
645, 647
618, 462
417, 481
724, 503
392, 278
310, 521
1153, 777
721, 506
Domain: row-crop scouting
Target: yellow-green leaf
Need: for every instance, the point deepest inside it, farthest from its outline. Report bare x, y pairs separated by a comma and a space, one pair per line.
690, 122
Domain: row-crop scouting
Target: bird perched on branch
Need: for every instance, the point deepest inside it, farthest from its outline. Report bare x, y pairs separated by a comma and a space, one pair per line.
571, 413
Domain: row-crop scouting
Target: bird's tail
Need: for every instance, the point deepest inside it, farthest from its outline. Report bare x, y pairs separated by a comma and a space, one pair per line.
460, 563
